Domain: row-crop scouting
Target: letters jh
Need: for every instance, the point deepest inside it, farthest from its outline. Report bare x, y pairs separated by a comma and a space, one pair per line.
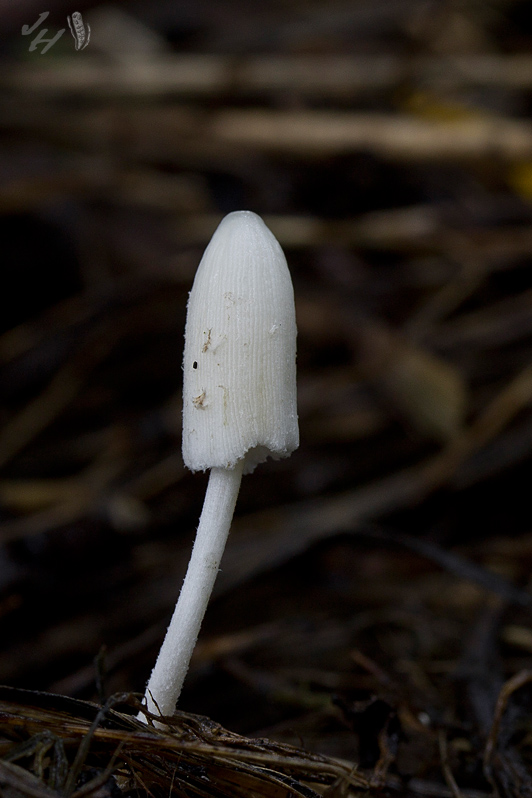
80, 33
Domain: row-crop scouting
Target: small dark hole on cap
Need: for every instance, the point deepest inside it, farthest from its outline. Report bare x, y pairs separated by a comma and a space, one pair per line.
195, 364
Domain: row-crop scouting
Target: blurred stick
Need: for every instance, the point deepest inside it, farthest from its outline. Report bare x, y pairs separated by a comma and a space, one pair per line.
293, 528
397, 136
175, 131
493, 325
314, 75
71, 498
61, 390
418, 229
68, 313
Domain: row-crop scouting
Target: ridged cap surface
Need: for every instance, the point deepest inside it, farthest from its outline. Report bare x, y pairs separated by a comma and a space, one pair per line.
239, 362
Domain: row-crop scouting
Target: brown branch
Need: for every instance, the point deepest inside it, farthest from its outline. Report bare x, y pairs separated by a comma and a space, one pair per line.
207, 75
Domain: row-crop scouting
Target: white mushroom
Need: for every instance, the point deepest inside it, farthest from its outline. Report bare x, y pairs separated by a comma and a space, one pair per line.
239, 407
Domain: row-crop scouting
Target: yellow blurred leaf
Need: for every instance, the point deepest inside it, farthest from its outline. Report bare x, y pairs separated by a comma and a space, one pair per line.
520, 179
426, 390
429, 105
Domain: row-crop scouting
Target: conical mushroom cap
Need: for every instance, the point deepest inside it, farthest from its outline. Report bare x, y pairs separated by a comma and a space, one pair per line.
239, 385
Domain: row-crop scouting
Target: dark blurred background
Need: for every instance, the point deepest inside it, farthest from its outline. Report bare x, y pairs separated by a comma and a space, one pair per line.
375, 585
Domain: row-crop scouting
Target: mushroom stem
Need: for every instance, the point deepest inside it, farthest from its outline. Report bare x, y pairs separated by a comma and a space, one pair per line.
166, 680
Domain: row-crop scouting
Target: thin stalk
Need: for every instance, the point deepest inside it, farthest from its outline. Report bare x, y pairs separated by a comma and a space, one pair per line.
168, 675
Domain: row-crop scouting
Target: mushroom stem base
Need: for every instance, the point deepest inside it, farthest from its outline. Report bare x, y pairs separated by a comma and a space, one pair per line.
166, 680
